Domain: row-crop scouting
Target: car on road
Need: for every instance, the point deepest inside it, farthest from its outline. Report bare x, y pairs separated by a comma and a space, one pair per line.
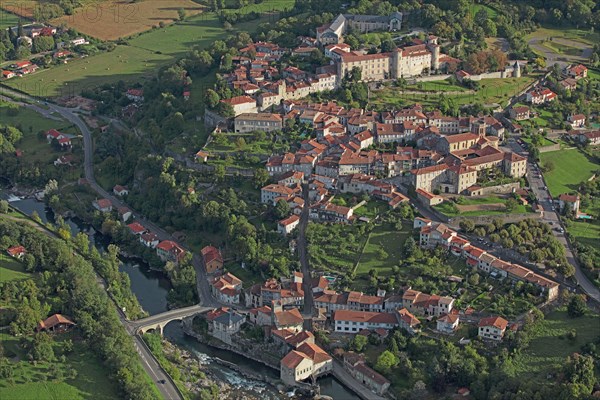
162, 381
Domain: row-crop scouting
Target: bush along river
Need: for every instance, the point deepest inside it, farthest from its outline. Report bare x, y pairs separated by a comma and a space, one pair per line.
151, 288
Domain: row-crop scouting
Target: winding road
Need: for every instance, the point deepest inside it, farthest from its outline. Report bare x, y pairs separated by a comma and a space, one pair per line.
163, 381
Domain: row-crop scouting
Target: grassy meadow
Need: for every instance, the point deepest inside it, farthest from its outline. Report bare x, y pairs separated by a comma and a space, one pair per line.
571, 167
549, 346
386, 238
11, 269
80, 376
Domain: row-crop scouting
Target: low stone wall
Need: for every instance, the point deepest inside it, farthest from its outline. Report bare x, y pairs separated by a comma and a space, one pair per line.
486, 219
552, 147
430, 78
506, 188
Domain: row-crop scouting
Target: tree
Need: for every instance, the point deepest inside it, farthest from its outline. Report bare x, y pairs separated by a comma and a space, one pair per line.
181, 13
579, 371
385, 362
282, 209
467, 225
219, 172
261, 177
3, 207
511, 204
358, 343
577, 306
212, 98
43, 43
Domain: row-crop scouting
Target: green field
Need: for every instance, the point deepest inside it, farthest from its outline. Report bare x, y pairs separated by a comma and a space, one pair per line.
30, 123
586, 232
492, 91
141, 56
474, 9
545, 142
391, 241
38, 381
7, 19
571, 167
447, 209
11, 269
124, 63
547, 351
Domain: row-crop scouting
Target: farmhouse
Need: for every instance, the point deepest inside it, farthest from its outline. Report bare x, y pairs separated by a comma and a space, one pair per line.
308, 360
226, 288
16, 252
576, 120
540, 96
212, 259
149, 239
241, 104
577, 71
447, 323
492, 328
355, 364
102, 205
168, 250
120, 190
136, 228
287, 225
519, 113
55, 323
425, 304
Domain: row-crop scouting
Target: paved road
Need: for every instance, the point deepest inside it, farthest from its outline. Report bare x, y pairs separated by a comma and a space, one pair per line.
538, 186
303, 254
167, 389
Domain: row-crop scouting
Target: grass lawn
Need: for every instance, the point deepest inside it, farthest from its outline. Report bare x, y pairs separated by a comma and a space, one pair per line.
571, 167
384, 237
37, 381
547, 351
586, 232
371, 209
7, 19
11, 269
447, 209
475, 8
30, 123
545, 142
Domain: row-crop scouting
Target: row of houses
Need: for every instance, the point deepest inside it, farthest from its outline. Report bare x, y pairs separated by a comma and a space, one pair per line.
433, 234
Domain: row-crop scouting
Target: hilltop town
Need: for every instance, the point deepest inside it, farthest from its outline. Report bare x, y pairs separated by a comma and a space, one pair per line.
309, 200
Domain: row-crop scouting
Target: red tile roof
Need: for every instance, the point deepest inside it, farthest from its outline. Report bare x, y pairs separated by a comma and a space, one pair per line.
211, 253
497, 322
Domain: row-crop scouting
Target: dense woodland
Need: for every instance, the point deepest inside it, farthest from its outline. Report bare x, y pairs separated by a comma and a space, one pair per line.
65, 282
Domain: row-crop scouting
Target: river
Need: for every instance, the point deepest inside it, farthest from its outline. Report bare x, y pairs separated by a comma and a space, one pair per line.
151, 289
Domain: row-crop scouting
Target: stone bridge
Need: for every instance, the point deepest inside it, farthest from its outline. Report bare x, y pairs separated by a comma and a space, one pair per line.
159, 321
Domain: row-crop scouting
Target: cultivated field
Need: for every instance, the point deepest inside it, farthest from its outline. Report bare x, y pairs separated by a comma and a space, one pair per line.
481, 207
113, 19
7, 19
142, 55
571, 167
478, 206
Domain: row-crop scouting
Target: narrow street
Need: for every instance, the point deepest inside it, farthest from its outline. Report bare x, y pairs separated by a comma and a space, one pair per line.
303, 255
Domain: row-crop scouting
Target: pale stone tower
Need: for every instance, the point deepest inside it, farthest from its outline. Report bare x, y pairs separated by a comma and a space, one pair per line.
395, 71
517, 70
434, 47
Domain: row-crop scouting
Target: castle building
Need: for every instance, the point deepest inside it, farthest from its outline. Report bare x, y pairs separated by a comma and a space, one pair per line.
334, 32
402, 62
